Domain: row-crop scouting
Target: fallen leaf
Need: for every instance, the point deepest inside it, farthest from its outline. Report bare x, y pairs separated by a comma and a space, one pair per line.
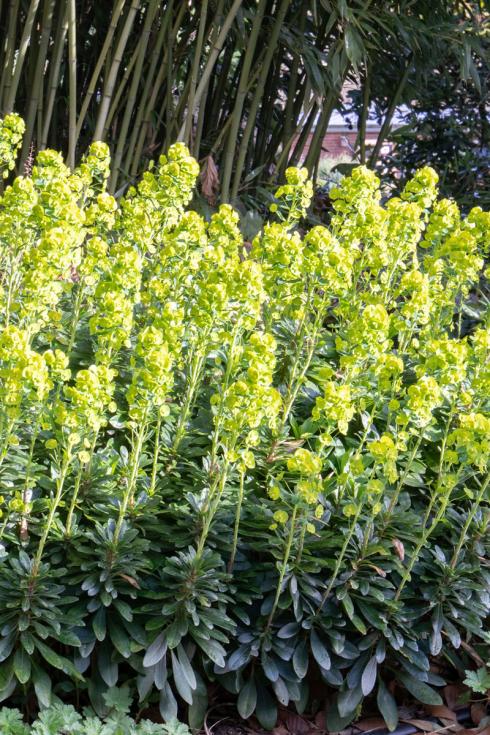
280, 730
296, 724
474, 654
371, 723
425, 725
476, 731
440, 710
209, 180
452, 694
320, 720
478, 711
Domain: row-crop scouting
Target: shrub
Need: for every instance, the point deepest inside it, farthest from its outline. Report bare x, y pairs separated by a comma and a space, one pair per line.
238, 465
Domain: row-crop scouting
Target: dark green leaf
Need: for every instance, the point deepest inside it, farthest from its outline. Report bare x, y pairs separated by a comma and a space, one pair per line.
368, 679
422, 692
247, 699
387, 706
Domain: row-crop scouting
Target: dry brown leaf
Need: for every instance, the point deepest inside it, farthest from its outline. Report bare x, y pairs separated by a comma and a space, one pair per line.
280, 730
320, 719
441, 711
131, 580
296, 724
452, 693
399, 549
474, 654
476, 731
478, 711
371, 723
425, 725
209, 180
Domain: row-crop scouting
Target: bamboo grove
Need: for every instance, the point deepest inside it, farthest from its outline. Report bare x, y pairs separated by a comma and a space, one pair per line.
248, 85
254, 466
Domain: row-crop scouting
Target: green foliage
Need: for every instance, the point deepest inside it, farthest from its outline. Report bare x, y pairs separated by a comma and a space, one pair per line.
62, 719
447, 127
439, 95
478, 681
238, 464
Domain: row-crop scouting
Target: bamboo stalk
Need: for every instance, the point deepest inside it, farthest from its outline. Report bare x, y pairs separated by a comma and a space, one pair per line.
366, 91
201, 115
54, 76
131, 99
292, 89
176, 119
21, 55
164, 71
252, 113
236, 115
316, 144
131, 163
217, 90
72, 83
116, 14
196, 62
282, 161
8, 62
116, 99
314, 151
223, 129
169, 88
385, 127
265, 121
110, 81
303, 136
36, 89
215, 51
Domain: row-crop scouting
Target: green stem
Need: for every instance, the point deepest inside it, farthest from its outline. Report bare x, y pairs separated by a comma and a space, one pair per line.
76, 490
60, 481
340, 558
301, 545
30, 457
404, 476
75, 318
284, 566
230, 364
87, 469
156, 451
238, 512
295, 382
469, 520
4, 525
128, 493
195, 374
215, 493
423, 540
9, 425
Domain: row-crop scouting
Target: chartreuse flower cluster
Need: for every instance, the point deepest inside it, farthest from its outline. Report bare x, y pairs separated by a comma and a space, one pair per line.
221, 462
12, 129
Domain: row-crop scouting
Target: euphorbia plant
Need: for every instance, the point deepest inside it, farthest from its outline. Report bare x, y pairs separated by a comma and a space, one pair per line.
233, 464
